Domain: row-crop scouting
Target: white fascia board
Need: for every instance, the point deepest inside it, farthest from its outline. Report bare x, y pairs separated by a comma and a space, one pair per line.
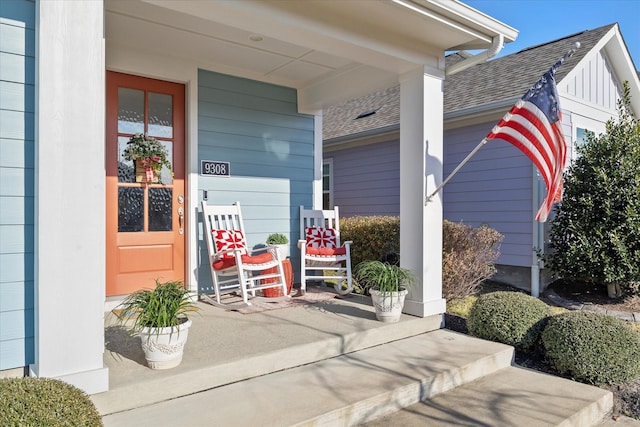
473, 19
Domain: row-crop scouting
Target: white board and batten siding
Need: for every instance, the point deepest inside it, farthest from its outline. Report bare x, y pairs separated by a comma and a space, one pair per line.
17, 81
270, 149
366, 179
591, 93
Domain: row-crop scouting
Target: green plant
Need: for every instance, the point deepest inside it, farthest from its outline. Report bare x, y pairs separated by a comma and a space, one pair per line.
166, 305
382, 276
468, 255
595, 235
592, 347
149, 150
277, 239
511, 318
373, 237
45, 402
467, 258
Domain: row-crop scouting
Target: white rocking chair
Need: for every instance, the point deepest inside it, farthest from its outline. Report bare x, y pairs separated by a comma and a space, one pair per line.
233, 268
320, 249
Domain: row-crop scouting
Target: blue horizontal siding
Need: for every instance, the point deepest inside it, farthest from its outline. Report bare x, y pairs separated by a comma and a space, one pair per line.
16, 153
270, 147
16, 296
17, 101
17, 68
18, 352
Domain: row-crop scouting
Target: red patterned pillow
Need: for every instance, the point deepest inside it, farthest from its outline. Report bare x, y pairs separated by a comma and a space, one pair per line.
229, 239
320, 237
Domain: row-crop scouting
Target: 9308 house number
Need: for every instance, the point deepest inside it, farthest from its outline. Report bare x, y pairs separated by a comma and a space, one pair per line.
211, 168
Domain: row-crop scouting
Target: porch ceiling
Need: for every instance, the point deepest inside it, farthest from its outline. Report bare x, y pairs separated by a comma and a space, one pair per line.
310, 45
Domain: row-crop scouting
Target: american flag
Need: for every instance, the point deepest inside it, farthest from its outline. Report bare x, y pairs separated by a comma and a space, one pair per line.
534, 126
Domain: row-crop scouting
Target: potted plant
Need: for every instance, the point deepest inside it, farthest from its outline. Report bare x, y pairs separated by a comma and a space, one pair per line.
160, 317
387, 285
281, 241
149, 156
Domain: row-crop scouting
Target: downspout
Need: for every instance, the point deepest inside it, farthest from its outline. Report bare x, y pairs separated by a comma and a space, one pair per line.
537, 238
496, 46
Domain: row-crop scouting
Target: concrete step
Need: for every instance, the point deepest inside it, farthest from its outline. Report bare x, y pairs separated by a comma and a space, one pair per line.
510, 397
227, 347
346, 390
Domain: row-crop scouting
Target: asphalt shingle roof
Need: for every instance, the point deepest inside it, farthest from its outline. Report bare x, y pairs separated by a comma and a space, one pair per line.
512, 75
507, 77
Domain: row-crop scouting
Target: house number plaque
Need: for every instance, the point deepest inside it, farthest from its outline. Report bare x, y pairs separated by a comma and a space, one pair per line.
213, 168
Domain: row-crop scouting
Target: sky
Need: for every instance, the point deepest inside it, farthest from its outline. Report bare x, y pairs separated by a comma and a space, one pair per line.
541, 21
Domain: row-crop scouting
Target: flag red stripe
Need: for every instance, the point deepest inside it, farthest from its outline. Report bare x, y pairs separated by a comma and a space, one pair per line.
528, 129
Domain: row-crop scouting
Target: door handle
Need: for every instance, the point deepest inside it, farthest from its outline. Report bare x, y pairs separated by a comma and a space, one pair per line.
181, 219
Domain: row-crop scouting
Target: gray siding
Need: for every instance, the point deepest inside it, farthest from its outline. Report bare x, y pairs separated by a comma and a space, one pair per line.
493, 188
256, 127
366, 179
17, 50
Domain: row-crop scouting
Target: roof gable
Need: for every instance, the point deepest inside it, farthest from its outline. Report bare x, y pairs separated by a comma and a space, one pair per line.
509, 77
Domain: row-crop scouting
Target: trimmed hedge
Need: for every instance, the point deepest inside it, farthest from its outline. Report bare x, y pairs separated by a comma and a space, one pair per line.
592, 347
511, 318
467, 259
45, 402
373, 236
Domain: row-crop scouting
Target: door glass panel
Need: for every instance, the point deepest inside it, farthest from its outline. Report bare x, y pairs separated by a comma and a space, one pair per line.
126, 168
130, 209
160, 209
130, 110
165, 173
160, 115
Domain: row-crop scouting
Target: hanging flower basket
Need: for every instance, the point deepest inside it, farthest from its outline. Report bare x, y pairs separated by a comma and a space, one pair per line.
144, 171
149, 156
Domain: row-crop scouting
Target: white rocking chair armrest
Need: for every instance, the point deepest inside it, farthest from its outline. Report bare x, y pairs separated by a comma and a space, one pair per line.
273, 250
301, 243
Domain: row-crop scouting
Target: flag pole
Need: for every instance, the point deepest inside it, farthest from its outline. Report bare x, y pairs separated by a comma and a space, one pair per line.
568, 54
462, 163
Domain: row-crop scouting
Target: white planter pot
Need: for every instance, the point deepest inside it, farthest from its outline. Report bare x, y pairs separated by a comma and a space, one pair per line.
388, 305
163, 347
284, 251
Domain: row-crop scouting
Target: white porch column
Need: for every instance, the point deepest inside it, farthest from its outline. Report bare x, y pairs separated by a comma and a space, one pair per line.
70, 194
421, 108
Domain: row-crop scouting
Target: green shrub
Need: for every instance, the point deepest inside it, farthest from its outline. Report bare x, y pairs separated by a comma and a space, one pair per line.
468, 255
373, 236
595, 235
467, 259
44, 402
592, 347
511, 318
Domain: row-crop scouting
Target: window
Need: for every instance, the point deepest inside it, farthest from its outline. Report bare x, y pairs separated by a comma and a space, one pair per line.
327, 184
581, 136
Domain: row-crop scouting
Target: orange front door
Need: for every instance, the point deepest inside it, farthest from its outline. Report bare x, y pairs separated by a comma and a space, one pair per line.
145, 221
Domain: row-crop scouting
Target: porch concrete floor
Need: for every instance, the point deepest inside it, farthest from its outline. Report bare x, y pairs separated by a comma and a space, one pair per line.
226, 346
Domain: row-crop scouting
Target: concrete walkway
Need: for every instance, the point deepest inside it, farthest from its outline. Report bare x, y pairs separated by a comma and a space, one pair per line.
572, 305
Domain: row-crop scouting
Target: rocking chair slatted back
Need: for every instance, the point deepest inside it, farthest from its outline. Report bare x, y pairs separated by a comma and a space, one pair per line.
323, 257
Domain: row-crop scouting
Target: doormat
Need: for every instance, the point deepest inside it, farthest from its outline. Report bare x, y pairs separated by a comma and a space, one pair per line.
313, 295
